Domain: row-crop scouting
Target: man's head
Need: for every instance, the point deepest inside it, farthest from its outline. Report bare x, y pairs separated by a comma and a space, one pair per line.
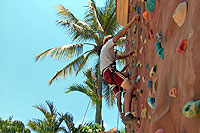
108, 37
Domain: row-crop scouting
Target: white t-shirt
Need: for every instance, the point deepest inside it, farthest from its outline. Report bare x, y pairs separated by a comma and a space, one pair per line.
107, 55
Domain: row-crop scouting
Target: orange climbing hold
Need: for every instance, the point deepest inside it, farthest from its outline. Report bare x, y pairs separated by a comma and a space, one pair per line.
182, 46
173, 92
150, 34
146, 15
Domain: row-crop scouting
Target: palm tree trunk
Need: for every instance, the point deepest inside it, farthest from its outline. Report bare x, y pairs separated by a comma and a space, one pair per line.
99, 107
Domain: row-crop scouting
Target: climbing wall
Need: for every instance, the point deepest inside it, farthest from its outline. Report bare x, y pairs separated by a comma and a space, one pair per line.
176, 67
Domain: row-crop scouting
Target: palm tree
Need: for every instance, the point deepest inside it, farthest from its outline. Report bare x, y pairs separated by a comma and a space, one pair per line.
97, 23
9, 126
52, 121
90, 88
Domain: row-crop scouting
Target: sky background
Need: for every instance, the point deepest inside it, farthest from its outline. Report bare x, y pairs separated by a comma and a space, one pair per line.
27, 28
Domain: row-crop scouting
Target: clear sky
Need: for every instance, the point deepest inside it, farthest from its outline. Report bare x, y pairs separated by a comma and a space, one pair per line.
27, 28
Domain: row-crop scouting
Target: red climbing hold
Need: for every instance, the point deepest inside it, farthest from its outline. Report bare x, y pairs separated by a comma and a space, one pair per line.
160, 131
173, 92
150, 34
182, 46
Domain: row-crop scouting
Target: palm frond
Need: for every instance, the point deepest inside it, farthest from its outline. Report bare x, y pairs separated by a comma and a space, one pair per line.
66, 14
80, 31
69, 69
62, 52
108, 95
92, 52
92, 17
51, 107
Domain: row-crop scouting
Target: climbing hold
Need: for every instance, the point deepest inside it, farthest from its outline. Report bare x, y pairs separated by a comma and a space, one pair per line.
139, 10
158, 37
153, 71
192, 109
150, 116
157, 46
134, 54
155, 85
145, 40
139, 64
146, 15
182, 46
134, 29
141, 39
180, 13
147, 66
149, 84
141, 50
150, 5
132, 38
160, 131
151, 102
140, 92
143, 79
150, 34
138, 78
161, 53
133, 113
173, 92
141, 30
144, 113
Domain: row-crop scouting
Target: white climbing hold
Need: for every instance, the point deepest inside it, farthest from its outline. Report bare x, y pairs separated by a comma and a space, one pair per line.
180, 13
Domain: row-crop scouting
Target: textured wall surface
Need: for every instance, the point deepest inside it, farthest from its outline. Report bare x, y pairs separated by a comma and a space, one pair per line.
174, 70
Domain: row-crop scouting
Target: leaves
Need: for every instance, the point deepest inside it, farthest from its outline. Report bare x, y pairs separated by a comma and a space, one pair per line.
62, 52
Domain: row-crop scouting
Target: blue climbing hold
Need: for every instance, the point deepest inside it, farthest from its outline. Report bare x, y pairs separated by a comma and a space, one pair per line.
147, 66
139, 10
149, 84
161, 53
151, 102
150, 5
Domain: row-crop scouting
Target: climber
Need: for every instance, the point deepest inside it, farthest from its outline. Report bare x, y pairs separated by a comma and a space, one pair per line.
113, 76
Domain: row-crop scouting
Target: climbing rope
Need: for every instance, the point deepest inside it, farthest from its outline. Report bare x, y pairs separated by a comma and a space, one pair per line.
118, 121
86, 111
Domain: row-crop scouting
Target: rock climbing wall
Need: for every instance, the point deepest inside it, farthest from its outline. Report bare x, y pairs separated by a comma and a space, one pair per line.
178, 73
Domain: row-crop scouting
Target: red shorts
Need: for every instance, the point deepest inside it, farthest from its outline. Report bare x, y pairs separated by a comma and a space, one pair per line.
118, 78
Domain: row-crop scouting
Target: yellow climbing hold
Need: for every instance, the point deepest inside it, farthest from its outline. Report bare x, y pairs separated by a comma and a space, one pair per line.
135, 52
155, 85
144, 113
180, 13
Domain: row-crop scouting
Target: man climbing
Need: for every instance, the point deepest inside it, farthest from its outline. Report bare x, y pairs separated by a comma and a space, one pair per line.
112, 76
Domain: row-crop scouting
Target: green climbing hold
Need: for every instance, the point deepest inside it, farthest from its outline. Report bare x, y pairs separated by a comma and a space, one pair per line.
141, 30
191, 109
161, 53
138, 78
139, 10
153, 71
150, 5
157, 46
159, 50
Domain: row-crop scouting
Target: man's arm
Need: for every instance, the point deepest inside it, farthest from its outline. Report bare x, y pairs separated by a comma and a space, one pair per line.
126, 27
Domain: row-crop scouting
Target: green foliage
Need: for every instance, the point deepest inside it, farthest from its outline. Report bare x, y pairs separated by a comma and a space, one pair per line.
90, 128
52, 121
9, 126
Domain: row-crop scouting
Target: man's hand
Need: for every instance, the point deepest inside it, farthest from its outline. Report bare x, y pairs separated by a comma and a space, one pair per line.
136, 17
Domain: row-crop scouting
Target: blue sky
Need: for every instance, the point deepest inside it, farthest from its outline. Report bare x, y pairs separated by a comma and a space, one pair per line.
27, 28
